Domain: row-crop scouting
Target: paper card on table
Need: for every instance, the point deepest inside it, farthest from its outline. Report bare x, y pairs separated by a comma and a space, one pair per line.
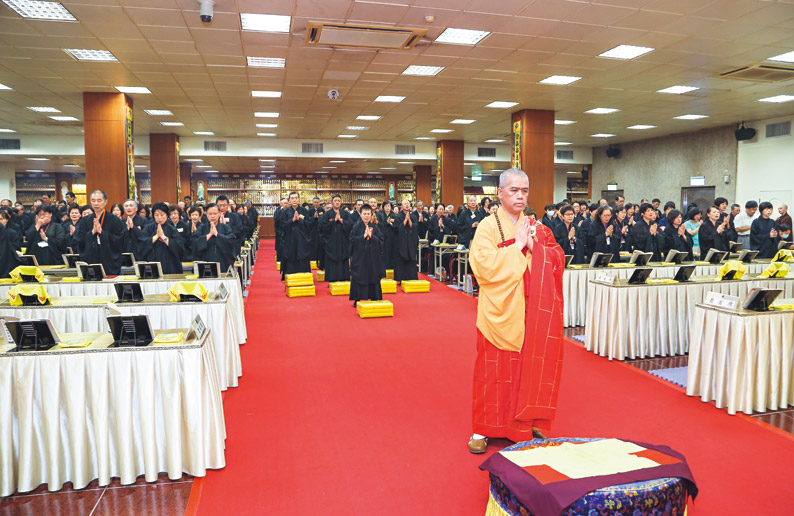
719, 300
197, 329
222, 292
606, 277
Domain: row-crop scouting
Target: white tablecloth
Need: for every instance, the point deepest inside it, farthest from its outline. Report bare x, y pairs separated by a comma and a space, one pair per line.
576, 293
635, 321
90, 318
742, 360
78, 415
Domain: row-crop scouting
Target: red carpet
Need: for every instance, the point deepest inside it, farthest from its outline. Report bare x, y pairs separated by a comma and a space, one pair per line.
341, 416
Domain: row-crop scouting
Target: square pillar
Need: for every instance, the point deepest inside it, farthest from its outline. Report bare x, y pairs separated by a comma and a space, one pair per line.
109, 152
533, 152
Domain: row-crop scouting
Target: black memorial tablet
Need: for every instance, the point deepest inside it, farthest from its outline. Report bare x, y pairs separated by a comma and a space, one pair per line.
760, 299
130, 330
33, 335
640, 276
128, 292
683, 273
207, 269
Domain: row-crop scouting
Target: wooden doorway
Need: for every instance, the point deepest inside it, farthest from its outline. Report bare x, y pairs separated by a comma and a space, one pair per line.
703, 196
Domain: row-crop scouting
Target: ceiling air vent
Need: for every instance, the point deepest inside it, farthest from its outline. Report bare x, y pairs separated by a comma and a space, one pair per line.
760, 73
405, 149
312, 148
214, 146
10, 144
362, 36
486, 152
565, 154
778, 129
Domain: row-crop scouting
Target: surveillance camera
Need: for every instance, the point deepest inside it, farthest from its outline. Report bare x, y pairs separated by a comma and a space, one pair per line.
206, 11
333, 94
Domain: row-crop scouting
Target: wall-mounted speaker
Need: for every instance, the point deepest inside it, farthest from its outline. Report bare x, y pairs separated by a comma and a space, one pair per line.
744, 133
613, 152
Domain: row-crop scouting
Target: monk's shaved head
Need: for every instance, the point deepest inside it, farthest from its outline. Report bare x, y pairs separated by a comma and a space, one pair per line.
511, 174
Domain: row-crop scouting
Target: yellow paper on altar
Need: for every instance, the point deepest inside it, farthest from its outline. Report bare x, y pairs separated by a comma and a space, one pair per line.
191, 276
574, 267
26, 270
102, 300
339, 288
775, 269
621, 264
74, 343
784, 255
388, 286
660, 280
299, 279
669, 263
6, 280
732, 265
28, 289
71, 278
169, 338
703, 263
55, 266
191, 288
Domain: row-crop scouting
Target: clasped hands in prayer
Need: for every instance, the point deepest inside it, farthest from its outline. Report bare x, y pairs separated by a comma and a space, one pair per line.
368, 233
525, 235
159, 235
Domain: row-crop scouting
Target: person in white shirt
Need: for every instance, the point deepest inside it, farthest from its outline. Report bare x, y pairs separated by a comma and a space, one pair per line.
743, 221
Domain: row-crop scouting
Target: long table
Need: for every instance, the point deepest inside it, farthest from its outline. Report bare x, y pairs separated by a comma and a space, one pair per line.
576, 281
74, 415
742, 360
87, 314
635, 321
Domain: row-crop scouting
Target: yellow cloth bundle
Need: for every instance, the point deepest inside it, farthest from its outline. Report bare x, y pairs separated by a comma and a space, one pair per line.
28, 289
74, 343
782, 307
660, 280
775, 269
389, 273
71, 278
169, 338
414, 286
339, 288
620, 264
703, 263
27, 270
784, 255
732, 265
320, 275
388, 286
55, 266
370, 309
299, 279
314, 265
302, 291
574, 267
278, 266
191, 288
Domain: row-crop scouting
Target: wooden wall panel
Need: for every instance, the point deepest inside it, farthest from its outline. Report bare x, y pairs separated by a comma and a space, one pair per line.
451, 172
537, 155
424, 188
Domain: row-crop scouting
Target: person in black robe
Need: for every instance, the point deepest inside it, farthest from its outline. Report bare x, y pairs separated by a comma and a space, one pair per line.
46, 238
133, 224
233, 220
213, 241
366, 267
712, 233
379, 219
278, 227
407, 223
389, 231
569, 236
161, 241
355, 215
620, 220
603, 235
297, 237
315, 213
253, 214
245, 222
101, 234
646, 234
194, 224
12, 236
70, 228
335, 225
439, 226
183, 228
764, 233
468, 220
9, 259
676, 236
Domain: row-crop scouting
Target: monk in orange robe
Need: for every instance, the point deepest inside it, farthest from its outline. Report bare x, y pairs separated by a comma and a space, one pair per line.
518, 265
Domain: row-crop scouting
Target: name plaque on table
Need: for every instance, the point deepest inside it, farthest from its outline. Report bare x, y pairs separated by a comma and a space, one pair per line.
718, 300
222, 292
606, 278
197, 329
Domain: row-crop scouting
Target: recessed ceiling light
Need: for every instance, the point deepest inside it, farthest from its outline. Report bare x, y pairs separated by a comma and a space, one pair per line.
560, 80
778, 99
423, 138
564, 122
690, 117
389, 98
467, 164
602, 135
442, 130
72, 166
203, 133
461, 36
328, 167
7, 131
368, 117
463, 121
203, 166
788, 57
265, 134
266, 62
501, 104
32, 170
678, 89
602, 111
38, 159
357, 128
85, 54
265, 114
641, 126
140, 166
193, 159
172, 124
494, 141
268, 160
4, 87
265, 22
266, 94
133, 89
348, 136
64, 118
320, 171
267, 126
405, 162
375, 172
40, 10
158, 112
211, 171
388, 168
337, 161
44, 109
626, 52
422, 70
563, 143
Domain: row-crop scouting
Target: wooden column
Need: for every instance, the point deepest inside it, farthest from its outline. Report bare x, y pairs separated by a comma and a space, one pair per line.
424, 187
109, 154
164, 156
185, 171
533, 152
449, 172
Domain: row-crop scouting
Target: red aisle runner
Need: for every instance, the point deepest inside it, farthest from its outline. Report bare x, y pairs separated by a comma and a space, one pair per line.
341, 416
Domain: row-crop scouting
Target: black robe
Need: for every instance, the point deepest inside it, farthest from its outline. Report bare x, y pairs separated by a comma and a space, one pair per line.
234, 221
104, 248
278, 228
389, 231
337, 244
405, 267
379, 220
672, 240
217, 249
132, 239
14, 238
625, 241
71, 238
169, 255
316, 242
9, 259
646, 242
575, 249
297, 242
437, 233
464, 225
183, 229
366, 267
51, 251
760, 239
708, 238
598, 242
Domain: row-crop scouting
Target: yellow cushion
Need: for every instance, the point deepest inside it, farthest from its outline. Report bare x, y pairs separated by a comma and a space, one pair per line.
621, 264
339, 288
278, 266
415, 286
301, 291
370, 309
320, 275
388, 286
74, 343
299, 279
389, 273
314, 265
